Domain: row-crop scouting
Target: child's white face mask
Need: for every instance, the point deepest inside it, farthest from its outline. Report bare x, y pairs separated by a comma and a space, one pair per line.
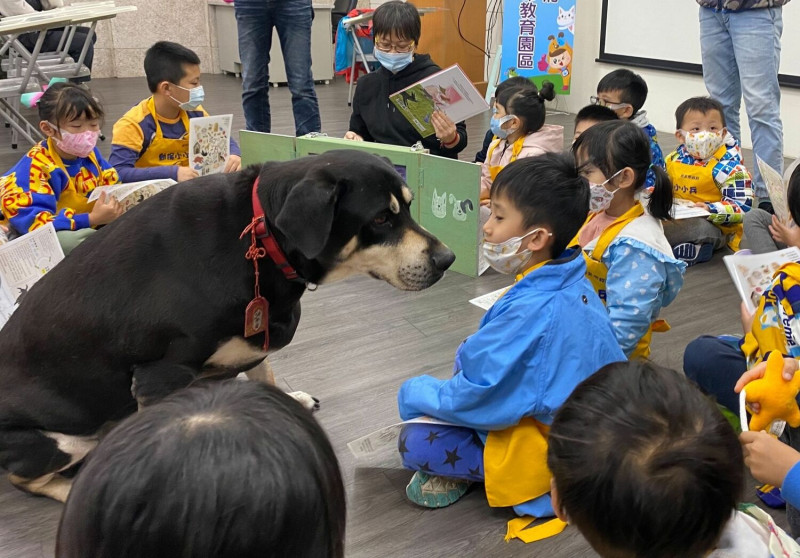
599, 196
703, 144
505, 257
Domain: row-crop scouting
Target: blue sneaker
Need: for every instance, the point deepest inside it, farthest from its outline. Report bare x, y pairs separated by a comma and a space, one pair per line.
430, 491
693, 254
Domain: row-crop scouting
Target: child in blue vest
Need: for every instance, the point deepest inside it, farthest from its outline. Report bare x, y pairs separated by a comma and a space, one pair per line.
512, 374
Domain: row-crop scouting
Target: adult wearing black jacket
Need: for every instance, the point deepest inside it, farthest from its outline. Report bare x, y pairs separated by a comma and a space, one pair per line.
396, 28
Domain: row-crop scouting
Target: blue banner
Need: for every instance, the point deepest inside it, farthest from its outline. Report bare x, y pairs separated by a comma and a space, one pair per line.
537, 41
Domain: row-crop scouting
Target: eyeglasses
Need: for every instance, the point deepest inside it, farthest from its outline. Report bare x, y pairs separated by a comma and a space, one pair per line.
613, 106
389, 47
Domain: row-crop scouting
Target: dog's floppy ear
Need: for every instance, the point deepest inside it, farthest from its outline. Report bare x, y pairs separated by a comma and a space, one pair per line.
307, 214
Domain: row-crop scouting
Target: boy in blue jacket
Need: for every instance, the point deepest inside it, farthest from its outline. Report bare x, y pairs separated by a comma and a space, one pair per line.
546, 334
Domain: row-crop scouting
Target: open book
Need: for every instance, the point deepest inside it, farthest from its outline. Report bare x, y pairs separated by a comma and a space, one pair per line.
449, 91
132, 193
209, 143
23, 261
777, 188
752, 274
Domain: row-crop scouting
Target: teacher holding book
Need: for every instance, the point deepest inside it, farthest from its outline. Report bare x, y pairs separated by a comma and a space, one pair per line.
396, 29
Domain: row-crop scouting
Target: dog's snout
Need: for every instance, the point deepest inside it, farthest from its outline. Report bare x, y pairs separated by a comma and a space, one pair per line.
443, 257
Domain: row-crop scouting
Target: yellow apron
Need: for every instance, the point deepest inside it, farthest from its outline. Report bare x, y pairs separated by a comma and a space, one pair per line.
494, 170
165, 151
696, 184
515, 470
77, 197
597, 272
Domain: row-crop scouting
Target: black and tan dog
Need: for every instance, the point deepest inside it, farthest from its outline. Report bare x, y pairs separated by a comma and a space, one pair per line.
157, 299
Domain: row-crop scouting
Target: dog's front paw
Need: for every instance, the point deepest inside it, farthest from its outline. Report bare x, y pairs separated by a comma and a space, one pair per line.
306, 400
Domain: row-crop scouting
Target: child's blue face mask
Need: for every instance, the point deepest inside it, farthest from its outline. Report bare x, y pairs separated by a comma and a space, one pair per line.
196, 97
497, 123
393, 61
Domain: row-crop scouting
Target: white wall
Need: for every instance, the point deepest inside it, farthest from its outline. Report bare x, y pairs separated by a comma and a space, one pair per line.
667, 89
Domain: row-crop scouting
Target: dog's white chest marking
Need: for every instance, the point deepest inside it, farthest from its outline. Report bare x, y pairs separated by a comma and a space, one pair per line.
235, 353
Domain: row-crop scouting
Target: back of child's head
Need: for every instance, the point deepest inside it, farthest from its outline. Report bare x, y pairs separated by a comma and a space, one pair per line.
164, 61
644, 464
595, 113
516, 81
64, 102
547, 190
703, 105
527, 104
615, 145
226, 470
793, 194
632, 88
398, 18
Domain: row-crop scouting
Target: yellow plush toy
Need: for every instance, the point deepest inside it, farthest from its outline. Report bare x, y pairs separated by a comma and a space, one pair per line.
777, 397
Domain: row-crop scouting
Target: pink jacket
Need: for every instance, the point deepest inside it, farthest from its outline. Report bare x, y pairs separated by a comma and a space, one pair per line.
549, 138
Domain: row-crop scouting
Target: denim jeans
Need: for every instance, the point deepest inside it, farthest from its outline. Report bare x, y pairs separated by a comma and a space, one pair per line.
741, 53
255, 20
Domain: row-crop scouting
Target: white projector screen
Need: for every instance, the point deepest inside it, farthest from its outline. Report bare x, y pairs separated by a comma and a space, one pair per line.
665, 35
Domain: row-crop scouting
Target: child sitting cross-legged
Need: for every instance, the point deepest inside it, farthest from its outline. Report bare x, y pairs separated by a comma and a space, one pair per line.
514, 372
645, 466
707, 169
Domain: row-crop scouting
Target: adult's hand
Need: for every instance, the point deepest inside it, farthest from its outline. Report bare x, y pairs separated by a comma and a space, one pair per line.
350, 135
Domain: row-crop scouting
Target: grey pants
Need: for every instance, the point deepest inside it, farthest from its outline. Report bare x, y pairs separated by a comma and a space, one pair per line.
756, 232
696, 230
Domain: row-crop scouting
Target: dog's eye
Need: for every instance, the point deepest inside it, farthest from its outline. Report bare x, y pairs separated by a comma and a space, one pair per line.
380, 219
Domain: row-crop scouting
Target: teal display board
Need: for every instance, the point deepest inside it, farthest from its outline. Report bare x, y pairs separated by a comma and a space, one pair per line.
258, 147
449, 196
446, 191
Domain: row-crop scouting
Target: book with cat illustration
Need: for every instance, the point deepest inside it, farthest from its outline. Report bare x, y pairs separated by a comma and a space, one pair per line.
449, 91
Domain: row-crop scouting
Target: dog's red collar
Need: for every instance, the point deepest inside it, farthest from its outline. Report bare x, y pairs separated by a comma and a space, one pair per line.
258, 228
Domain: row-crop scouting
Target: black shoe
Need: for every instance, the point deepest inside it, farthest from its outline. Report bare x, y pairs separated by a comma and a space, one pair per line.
767, 206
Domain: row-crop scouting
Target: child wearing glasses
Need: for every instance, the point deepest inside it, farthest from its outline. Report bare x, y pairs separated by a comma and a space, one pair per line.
396, 28
625, 92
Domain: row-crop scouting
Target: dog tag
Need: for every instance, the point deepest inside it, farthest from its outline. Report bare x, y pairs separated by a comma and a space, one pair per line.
256, 316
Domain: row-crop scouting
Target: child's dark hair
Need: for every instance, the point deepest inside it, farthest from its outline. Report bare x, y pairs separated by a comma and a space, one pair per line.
644, 464
216, 470
703, 105
516, 81
612, 146
793, 194
547, 190
402, 18
527, 104
63, 102
164, 61
632, 88
595, 113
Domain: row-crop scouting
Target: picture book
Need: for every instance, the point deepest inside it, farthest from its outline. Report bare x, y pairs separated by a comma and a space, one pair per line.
209, 143
449, 91
683, 209
23, 261
752, 273
131, 193
777, 188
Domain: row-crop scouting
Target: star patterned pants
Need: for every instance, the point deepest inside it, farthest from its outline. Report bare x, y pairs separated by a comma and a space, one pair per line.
446, 451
